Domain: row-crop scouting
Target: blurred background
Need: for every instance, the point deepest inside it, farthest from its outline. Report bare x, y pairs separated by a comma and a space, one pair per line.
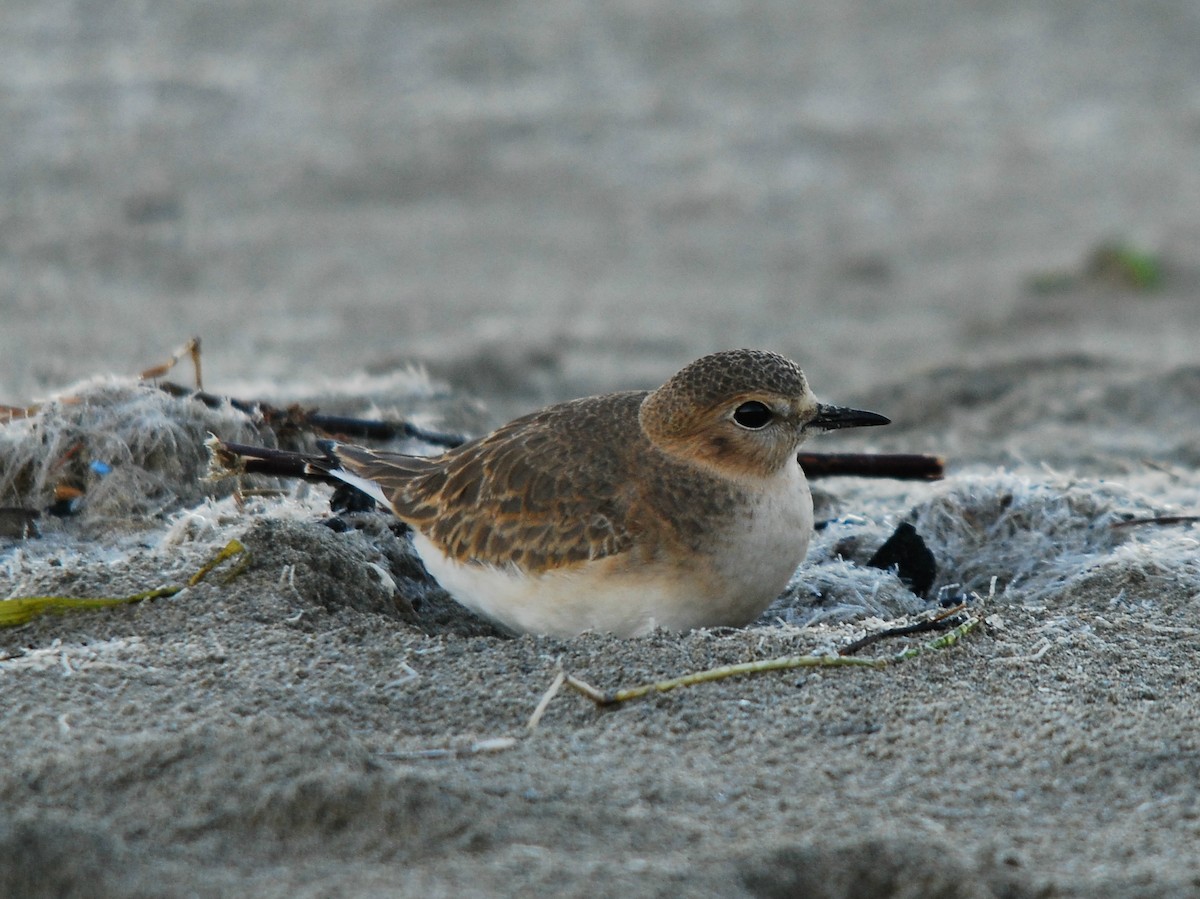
543, 199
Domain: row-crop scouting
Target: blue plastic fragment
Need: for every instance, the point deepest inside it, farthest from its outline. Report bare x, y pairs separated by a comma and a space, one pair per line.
101, 468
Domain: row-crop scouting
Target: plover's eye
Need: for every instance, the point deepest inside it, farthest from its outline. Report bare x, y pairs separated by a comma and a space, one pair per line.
752, 415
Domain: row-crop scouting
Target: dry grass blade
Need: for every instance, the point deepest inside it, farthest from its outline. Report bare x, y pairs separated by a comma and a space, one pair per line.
782, 663
544, 703
190, 349
22, 609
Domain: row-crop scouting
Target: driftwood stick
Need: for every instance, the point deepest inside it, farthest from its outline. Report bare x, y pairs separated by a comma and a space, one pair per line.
293, 418
281, 463
900, 466
299, 418
240, 458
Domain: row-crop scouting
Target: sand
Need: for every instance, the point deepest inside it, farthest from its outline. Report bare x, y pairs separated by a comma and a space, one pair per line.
538, 203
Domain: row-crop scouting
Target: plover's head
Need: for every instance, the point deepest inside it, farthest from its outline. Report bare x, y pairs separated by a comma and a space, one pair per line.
743, 413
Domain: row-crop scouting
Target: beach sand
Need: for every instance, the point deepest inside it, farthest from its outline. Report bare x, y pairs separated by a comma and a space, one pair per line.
528, 204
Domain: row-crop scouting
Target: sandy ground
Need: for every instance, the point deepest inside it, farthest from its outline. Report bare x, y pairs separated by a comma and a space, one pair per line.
544, 202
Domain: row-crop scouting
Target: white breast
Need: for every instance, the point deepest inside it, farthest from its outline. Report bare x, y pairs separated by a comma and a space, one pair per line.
749, 566
761, 552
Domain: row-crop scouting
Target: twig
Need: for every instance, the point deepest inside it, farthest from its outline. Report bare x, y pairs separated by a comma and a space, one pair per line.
1160, 519
900, 466
945, 641
282, 463
16, 413
479, 747
784, 663
22, 609
232, 548
296, 417
536, 718
938, 622
192, 349
226, 459
605, 698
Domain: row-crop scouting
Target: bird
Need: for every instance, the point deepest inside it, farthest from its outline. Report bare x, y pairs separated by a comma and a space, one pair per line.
679, 508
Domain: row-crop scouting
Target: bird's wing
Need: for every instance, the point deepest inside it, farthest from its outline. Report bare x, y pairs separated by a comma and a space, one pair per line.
544, 491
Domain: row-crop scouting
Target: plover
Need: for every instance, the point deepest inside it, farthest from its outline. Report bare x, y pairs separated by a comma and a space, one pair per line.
682, 507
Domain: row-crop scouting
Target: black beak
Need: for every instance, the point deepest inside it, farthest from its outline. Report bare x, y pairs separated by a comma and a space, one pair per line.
833, 418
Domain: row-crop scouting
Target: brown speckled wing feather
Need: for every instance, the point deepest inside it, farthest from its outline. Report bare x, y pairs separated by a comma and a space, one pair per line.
540, 492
